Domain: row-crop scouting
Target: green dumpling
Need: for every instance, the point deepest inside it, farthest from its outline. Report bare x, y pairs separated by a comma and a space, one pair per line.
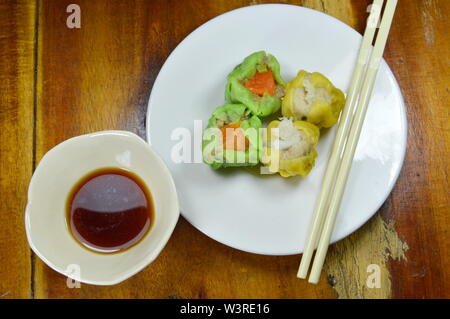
257, 84
232, 137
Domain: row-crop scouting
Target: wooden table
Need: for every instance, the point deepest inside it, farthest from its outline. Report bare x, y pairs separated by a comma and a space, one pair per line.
57, 82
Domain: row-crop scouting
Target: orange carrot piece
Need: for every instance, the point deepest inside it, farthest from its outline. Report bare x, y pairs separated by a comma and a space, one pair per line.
234, 138
261, 82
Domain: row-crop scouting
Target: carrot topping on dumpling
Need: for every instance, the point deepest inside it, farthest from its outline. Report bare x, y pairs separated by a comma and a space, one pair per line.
261, 83
234, 137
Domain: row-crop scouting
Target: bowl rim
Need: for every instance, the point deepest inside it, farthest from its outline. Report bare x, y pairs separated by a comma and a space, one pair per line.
151, 256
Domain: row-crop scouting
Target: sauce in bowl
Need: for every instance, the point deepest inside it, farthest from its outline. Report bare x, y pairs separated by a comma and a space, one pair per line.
109, 210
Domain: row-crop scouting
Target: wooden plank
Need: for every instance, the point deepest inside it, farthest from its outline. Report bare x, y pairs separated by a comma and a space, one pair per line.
17, 26
419, 53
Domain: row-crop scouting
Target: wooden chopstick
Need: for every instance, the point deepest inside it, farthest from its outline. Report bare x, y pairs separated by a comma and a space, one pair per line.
352, 141
341, 135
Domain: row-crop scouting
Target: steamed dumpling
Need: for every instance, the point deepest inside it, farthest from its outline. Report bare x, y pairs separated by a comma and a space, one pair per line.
290, 146
312, 97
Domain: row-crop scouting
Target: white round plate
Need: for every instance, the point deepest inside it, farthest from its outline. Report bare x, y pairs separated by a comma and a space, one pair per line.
271, 215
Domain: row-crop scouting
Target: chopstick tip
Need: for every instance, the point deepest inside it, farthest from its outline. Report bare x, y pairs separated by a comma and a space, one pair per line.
313, 281
301, 276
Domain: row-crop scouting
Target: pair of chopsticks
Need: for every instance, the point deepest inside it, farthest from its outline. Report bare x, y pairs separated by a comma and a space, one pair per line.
346, 140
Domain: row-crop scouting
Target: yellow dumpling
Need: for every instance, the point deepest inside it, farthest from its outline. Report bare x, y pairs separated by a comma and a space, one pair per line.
289, 148
313, 98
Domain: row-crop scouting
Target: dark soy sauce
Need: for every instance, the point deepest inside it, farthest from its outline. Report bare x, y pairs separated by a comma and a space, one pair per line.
109, 210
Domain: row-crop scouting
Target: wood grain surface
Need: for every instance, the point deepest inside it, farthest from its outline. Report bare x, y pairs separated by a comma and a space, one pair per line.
419, 55
56, 83
17, 24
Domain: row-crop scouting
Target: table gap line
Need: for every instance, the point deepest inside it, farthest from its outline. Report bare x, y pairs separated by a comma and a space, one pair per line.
35, 79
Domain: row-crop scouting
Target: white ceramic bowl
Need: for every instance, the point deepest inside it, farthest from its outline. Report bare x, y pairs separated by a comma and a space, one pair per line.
57, 173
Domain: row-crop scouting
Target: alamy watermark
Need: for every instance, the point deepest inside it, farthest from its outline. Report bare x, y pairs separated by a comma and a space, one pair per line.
74, 19
198, 145
73, 272
374, 277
